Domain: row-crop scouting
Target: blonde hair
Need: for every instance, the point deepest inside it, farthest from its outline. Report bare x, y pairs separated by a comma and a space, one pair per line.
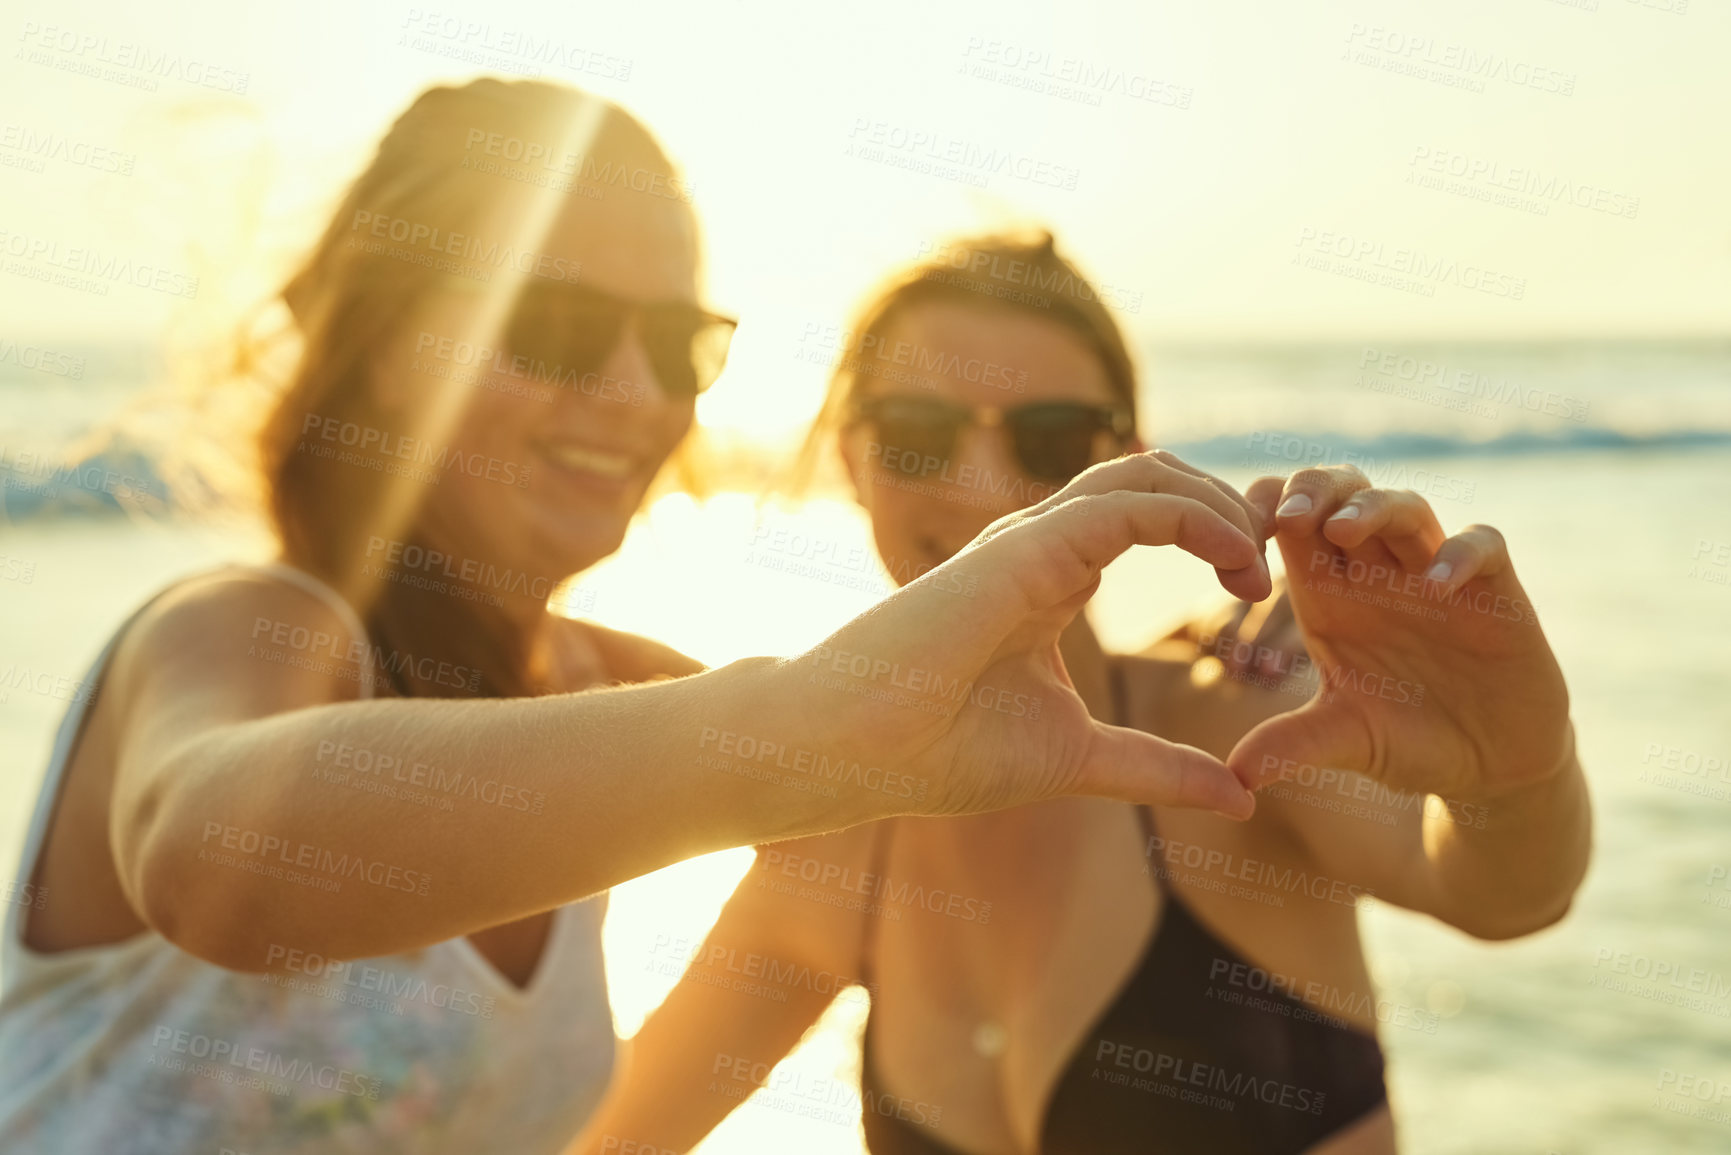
1019, 271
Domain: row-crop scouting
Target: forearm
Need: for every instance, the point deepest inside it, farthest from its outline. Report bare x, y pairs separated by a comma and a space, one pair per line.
370, 828
728, 1019
1520, 871
699, 1056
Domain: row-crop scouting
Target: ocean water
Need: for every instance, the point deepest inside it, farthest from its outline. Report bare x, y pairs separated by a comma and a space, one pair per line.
1609, 470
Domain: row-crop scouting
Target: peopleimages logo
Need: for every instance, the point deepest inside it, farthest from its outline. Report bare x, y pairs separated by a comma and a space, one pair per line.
870, 353
485, 360
309, 857
977, 263
125, 61
363, 977
258, 1061
547, 161
1065, 77
841, 771
914, 686
370, 445
37, 148
419, 560
396, 776
923, 147
1176, 1071
89, 269
304, 648
1257, 872
878, 887
916, 466
437, 241
41, 360
1368, 258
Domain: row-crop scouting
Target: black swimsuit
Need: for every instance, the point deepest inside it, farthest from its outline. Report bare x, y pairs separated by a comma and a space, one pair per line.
1196, 1054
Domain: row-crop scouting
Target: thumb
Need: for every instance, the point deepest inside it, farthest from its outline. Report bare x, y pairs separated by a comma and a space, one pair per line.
1137, 767
1316, 734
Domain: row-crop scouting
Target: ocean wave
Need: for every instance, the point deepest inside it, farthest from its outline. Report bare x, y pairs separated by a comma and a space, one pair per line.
1299, 447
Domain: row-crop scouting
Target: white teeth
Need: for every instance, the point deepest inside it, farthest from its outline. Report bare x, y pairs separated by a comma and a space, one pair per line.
610, 465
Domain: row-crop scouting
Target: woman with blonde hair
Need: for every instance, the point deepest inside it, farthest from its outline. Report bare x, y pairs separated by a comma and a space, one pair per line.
326, 855
1087, 976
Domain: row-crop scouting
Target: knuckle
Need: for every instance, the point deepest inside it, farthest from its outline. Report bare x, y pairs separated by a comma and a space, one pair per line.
1348, 478
1225, 491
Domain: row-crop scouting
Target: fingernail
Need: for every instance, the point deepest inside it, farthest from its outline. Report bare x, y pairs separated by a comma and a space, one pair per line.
1439, 572
1346, 513
1262, 564
1293, 506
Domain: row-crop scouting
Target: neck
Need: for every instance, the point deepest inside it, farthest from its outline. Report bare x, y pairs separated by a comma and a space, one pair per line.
488, 627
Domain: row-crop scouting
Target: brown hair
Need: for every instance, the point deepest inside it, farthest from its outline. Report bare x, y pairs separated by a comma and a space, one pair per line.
352, 296
1019, 271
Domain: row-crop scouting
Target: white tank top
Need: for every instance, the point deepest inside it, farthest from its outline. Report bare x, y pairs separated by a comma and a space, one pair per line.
138, 1048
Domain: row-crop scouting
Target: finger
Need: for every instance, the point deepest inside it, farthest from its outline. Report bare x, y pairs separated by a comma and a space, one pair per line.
1264, 495
1310, 495
1134, 766
1476, 551
1252, 517
1160, 472
1399, 519
1032, 573
1315, 734
1098, 528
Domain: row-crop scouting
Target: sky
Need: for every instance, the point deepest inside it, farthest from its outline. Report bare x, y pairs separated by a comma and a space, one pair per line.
1233, 172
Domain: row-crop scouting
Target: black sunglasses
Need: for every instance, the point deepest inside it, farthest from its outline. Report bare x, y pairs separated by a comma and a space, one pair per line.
1052, 440
575, 327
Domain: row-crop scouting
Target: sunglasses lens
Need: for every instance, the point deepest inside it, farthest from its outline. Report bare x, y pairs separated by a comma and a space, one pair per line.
914, 432
1056, 442
568, 334
572, 331
687, 346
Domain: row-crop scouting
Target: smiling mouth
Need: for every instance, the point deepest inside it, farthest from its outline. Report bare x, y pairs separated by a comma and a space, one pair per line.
589, 460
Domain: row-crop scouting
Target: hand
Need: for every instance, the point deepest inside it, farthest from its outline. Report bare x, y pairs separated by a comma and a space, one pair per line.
956, 677
1434, 674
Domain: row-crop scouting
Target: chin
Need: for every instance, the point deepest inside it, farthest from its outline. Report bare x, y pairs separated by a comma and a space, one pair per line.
571, 550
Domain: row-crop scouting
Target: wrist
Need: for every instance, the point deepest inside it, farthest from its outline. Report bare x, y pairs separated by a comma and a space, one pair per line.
1539, 790
795, 741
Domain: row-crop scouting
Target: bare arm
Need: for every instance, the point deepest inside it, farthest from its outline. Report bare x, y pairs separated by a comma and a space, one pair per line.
232, 838
252, 810
669, 1095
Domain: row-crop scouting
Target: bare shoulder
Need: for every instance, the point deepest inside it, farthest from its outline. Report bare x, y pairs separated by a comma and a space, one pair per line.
243, 635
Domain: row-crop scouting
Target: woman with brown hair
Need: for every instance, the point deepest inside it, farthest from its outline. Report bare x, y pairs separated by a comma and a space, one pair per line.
318, 857
1087, 976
